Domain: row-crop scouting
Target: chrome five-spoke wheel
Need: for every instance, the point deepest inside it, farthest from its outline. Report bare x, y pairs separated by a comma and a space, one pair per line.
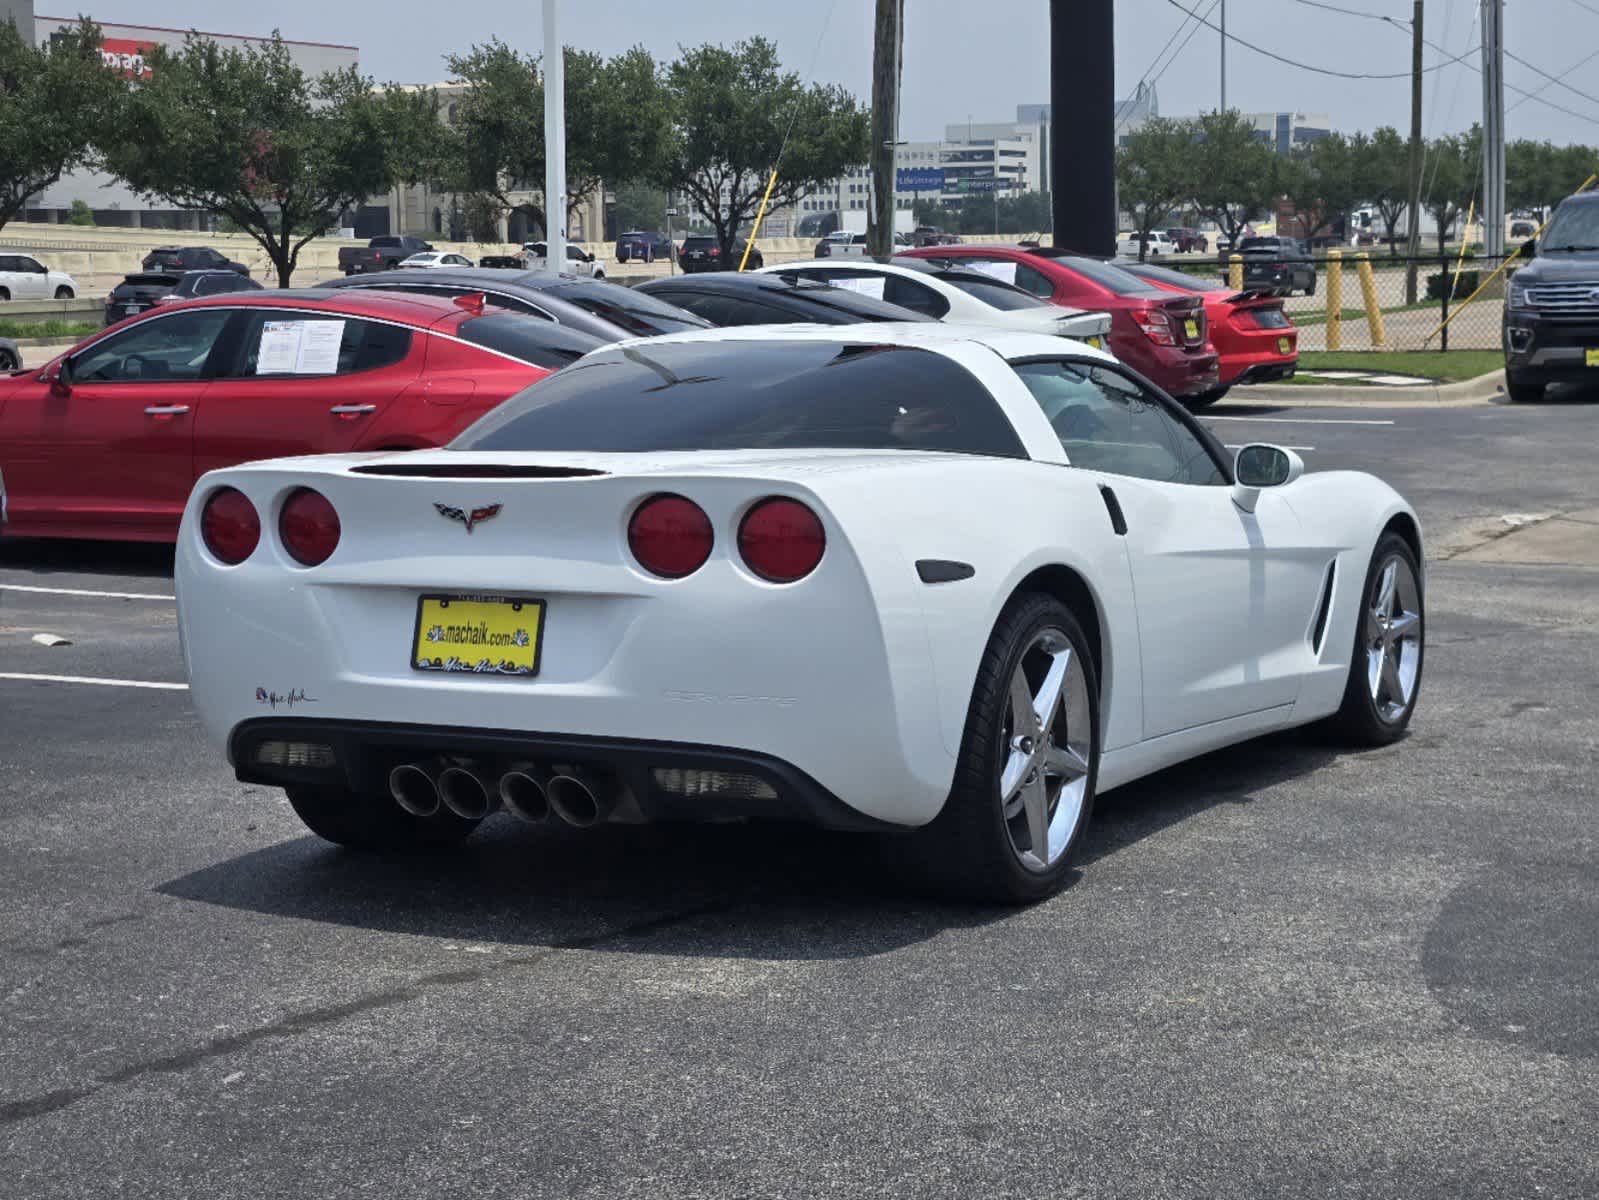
1048, 741
1393, 639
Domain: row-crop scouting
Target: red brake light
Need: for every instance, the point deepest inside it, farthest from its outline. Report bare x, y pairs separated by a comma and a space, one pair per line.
715, 252
670, 536
229, 526
308, 527
781, 540
1156, 325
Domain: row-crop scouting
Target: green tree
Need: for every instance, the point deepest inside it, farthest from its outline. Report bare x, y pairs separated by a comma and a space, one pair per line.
737, 115
618, 125
54, 99
1322, 181
1450, 178
1235, 172
80, 213
640, 205
1382, 166
244, 134
1155, 170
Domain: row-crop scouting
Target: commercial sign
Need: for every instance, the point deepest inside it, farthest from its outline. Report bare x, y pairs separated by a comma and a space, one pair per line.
919, 179
126, 56
975, 185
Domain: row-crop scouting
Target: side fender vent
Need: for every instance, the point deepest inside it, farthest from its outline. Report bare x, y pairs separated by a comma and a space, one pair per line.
1318, 631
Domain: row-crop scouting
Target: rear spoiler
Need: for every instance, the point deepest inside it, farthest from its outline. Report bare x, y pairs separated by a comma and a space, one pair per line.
1255, 297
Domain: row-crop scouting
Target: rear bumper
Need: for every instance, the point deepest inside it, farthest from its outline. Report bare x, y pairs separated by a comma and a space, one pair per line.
1266, 372
366, 751
1177, 371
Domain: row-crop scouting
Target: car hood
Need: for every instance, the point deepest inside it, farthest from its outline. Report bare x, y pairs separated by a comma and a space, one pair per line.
1575, 267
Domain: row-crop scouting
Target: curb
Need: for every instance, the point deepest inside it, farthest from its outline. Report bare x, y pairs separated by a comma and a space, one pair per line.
1466, 391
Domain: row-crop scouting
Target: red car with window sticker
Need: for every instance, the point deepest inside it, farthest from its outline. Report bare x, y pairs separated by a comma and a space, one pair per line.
107, 440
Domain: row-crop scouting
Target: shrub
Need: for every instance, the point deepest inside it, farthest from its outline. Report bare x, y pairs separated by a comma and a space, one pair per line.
1438, 284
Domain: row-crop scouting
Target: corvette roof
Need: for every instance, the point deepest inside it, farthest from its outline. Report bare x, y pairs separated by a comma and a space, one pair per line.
1008, 344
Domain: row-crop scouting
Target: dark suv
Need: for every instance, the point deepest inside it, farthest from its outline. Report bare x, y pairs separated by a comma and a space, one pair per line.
1551, 326
704, 253
1277, 264
190, 258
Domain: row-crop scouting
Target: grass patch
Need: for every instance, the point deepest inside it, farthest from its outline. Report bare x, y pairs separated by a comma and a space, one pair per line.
1319, 317
48, 329
1446, 366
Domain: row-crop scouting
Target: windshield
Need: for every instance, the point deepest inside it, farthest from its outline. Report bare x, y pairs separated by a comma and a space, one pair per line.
629, 309
752, 395
1575, 226
992, 292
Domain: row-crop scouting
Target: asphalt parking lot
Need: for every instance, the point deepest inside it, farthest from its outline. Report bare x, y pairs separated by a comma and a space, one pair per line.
1283, 970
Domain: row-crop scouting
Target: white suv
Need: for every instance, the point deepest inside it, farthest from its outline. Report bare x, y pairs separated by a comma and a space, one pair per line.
24, 278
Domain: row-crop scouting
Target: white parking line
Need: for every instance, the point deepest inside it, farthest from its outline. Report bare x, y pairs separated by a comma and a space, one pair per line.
1299, 420
23, 587
127, 683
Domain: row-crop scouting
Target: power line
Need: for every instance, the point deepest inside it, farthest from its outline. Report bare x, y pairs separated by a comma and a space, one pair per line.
1526, 96
1232, 37
1398, 22
1553, 78
1177, 33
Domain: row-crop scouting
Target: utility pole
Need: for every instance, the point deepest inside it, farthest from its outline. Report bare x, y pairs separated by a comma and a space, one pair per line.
885, 125
1493, 128
1414, 245
1223, 56
554, 142
1082, 97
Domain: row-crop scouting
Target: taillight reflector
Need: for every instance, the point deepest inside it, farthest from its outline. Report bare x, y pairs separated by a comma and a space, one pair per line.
230, 526
1156, 325
308, 527
670, 536
781, 540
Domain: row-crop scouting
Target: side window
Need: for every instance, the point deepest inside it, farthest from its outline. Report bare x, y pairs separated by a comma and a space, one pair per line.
1108, 422
917, 297
718, 310
8, 263
1033, 281
753, 312
281, 343
24, 263
170, 348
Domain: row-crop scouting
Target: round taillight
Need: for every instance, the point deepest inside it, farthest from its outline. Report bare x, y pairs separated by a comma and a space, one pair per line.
308, 527
781, 540
670, 536
229, 526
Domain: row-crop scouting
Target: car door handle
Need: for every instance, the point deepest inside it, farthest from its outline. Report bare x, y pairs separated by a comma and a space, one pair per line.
166, 410
1113, 506
352, 410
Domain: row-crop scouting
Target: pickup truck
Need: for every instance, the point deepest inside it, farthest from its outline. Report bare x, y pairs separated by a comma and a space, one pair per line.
1277, 264
380, 254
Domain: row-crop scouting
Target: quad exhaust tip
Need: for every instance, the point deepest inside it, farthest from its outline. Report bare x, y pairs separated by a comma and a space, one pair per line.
581, 799
522, 791
415, 788
467, 793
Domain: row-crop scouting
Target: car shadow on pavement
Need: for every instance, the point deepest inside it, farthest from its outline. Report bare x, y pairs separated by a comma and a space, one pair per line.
60, 556
758, 891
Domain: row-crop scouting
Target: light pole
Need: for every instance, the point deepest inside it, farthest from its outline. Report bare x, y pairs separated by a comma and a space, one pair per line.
554, 142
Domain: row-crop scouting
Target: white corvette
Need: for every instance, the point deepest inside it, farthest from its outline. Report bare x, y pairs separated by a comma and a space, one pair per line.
940, 580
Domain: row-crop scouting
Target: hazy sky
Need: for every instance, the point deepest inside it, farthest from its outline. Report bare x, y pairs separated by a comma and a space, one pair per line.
980, 58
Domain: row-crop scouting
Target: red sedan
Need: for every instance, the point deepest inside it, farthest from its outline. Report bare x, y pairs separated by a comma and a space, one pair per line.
107, 440
1160, 335
1256, 340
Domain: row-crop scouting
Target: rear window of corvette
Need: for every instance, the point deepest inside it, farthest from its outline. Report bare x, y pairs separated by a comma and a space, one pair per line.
752, 395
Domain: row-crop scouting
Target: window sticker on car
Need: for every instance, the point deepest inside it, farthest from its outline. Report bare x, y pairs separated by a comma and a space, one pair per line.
1005, 272
299, 348
866, 285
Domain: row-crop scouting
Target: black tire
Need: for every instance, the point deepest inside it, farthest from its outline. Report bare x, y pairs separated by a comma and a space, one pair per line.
8, 360
368, 821
1204, 399
1310, 289
1358, 721
967, 849
1523, 388
63, 293
5, 293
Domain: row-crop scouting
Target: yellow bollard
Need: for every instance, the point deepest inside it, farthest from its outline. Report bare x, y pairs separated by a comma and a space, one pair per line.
1368, 293
1235, 272
1335, 299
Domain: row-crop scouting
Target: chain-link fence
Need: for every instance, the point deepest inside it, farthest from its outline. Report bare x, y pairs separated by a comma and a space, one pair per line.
1370, 300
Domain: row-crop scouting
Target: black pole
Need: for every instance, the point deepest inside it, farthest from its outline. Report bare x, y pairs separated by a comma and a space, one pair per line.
1082, 94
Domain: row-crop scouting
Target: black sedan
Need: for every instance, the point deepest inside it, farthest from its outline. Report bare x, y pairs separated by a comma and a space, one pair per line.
191, 258
604, 310
730, 298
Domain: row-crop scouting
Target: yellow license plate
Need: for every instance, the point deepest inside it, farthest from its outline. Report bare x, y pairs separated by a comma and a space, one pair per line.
1284, 346
1591, 357
1191, 329
478, 635
1097, 342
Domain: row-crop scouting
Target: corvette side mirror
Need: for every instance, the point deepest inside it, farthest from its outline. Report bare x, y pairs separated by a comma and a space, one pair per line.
1260, 466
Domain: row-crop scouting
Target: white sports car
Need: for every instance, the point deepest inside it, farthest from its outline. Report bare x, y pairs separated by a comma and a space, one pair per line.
889, 577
